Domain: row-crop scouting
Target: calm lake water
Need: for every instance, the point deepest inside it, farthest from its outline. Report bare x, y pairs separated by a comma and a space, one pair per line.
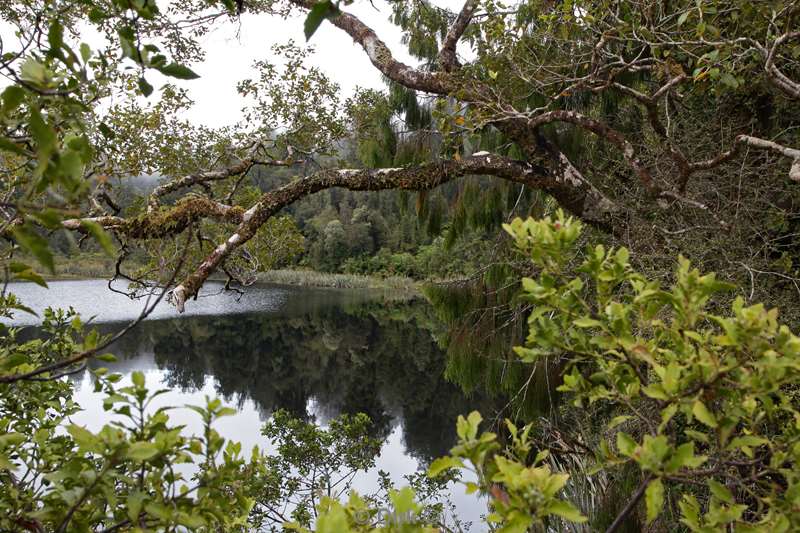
314, 352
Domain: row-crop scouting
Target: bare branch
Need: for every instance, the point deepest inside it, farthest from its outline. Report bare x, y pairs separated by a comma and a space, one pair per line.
81, 357
631, 505
420, 178
380, 55
195, 179
601, 130
447, 55
754, 142
776, 76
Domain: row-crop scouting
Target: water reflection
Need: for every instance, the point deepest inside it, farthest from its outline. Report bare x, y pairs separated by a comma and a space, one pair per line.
314, 352
339, 353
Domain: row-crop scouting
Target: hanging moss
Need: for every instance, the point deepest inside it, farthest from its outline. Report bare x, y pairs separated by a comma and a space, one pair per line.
404, 101
436, 213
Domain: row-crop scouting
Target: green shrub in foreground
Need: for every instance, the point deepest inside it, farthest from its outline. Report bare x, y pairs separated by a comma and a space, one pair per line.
703, 407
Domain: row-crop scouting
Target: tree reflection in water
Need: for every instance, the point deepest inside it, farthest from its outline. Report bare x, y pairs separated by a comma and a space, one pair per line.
344, 356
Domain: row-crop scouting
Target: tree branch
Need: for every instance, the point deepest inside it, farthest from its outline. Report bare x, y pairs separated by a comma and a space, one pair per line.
635, 497
154, 225
195, 179
447, 55
601, 130
201, 178
91, 352
776, 76
380, 55
754, 142
420, 178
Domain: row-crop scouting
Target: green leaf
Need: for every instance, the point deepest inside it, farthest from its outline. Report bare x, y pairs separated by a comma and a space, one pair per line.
13, 95
403, 500
191, 521
670, 378
49, 218
23, 271
655, 391
107, 132
145, 87
666, 415
134, 504
720, 491
729, 80
83, 437
11, 439
142, 451
43, 134
159, 510
617, 420
55, 37
138, 379
625, 444
316, 15
86, 52
70, 165
701, 412
567, 511
746, 440
467, 428
684, 457
333, 521
587, 323
34, 243
10, 146
654, 498
100, 235
127, 40
225, 411
34, 72
444, 463
175, 70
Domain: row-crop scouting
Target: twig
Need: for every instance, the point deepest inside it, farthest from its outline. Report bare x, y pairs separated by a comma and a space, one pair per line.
146, 310
631, 504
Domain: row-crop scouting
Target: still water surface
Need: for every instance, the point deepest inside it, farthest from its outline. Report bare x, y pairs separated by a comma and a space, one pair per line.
314, 352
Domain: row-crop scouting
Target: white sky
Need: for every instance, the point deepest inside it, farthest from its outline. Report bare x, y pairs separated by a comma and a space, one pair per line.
229, 57
231, 49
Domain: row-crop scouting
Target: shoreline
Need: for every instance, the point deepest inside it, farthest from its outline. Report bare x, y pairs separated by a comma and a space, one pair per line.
297, 278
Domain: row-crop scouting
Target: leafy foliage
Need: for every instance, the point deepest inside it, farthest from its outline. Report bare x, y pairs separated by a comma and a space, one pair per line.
58, 476
705, 402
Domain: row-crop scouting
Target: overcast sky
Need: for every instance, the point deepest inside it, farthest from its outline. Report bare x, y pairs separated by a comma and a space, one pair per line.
232, 48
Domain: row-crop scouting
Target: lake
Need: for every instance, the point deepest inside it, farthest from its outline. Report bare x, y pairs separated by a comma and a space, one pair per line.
314, 352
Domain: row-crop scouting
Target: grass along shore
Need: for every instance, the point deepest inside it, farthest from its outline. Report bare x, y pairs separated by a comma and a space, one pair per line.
311, 278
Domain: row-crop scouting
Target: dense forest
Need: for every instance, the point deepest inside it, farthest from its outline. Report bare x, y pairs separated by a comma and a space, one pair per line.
599, 202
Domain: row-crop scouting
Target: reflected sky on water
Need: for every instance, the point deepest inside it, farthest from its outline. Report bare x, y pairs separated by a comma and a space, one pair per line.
314, 352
